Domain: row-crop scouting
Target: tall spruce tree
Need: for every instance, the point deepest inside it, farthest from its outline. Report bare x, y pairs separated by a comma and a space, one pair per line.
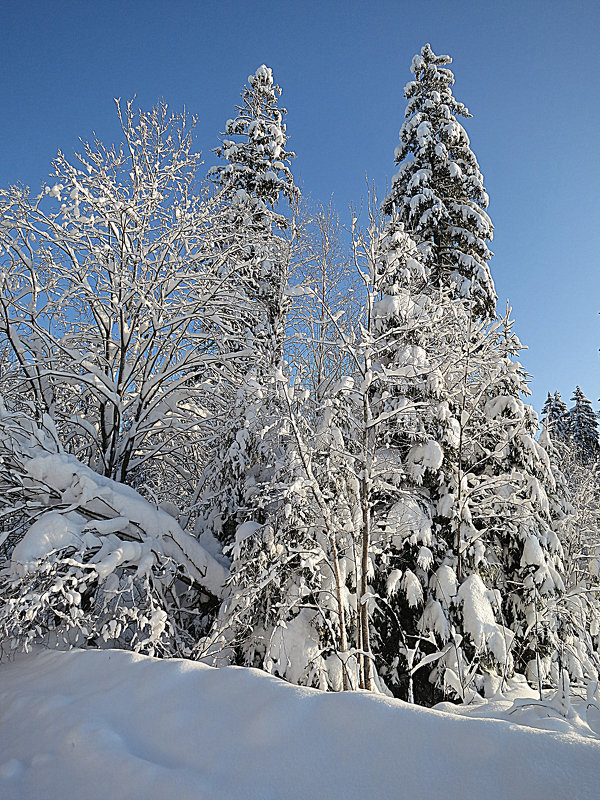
497, 508
406, 432
438, 190
254, 498
254, 177
255, 173
465, 555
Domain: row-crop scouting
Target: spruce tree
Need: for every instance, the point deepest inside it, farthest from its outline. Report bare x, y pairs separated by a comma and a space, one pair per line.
257, 169
583, 427
555, 417
256, 507
465, 545
576, 469
409, 431
255, 173
497, 510
254, 177
438, 190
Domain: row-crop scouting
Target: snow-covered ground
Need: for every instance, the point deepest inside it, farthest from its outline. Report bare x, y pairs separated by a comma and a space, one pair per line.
111, 724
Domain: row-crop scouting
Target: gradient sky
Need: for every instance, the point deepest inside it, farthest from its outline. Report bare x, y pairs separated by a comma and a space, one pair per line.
526, 70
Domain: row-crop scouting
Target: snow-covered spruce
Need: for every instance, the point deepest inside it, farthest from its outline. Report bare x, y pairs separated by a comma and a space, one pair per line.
255, 176
438, 190
555, 417
571, 439
256, 487
578, 608
257, 169
87, 561
251, 183
583, 427
504, 511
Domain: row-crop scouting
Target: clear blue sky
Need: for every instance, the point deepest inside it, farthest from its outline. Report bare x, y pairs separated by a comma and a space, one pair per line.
527, 71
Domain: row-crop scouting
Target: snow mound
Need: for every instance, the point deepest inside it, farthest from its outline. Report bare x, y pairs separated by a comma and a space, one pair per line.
114, 724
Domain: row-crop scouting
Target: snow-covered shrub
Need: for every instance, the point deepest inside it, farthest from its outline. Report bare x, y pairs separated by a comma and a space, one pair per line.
86, 561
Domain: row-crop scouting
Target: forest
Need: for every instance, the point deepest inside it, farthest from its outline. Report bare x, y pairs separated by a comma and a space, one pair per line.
238, 429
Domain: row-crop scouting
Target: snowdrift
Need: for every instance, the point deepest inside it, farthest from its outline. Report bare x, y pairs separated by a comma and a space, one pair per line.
105, 725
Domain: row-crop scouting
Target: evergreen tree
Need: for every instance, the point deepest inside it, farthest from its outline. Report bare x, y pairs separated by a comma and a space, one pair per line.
583, 427
438, 190
255, 510
497, 507
257, 169
555, 417
405, 431
255, 174
570, 438
577, 611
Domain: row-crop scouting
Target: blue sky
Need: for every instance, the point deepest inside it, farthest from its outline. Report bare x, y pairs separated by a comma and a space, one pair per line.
526, 70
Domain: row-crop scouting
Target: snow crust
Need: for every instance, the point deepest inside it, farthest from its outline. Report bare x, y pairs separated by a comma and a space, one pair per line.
114, 724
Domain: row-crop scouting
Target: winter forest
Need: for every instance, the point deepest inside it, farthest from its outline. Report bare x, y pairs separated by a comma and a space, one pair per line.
241, 428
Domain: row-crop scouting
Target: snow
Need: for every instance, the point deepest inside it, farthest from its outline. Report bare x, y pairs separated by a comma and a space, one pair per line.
429, 454
412, 588
81, 487
392, 306
407, 518
532, 553
434, 619
294, 644
113, 724
393, 581
479, 618
445, 584
52, 531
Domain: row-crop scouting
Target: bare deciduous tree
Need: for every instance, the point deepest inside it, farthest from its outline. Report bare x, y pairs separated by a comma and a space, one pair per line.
121, 304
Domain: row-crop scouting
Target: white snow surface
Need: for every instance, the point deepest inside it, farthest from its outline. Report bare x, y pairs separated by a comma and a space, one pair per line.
114, 724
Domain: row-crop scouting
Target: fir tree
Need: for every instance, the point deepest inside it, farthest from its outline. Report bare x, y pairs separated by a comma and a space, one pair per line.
438, 190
